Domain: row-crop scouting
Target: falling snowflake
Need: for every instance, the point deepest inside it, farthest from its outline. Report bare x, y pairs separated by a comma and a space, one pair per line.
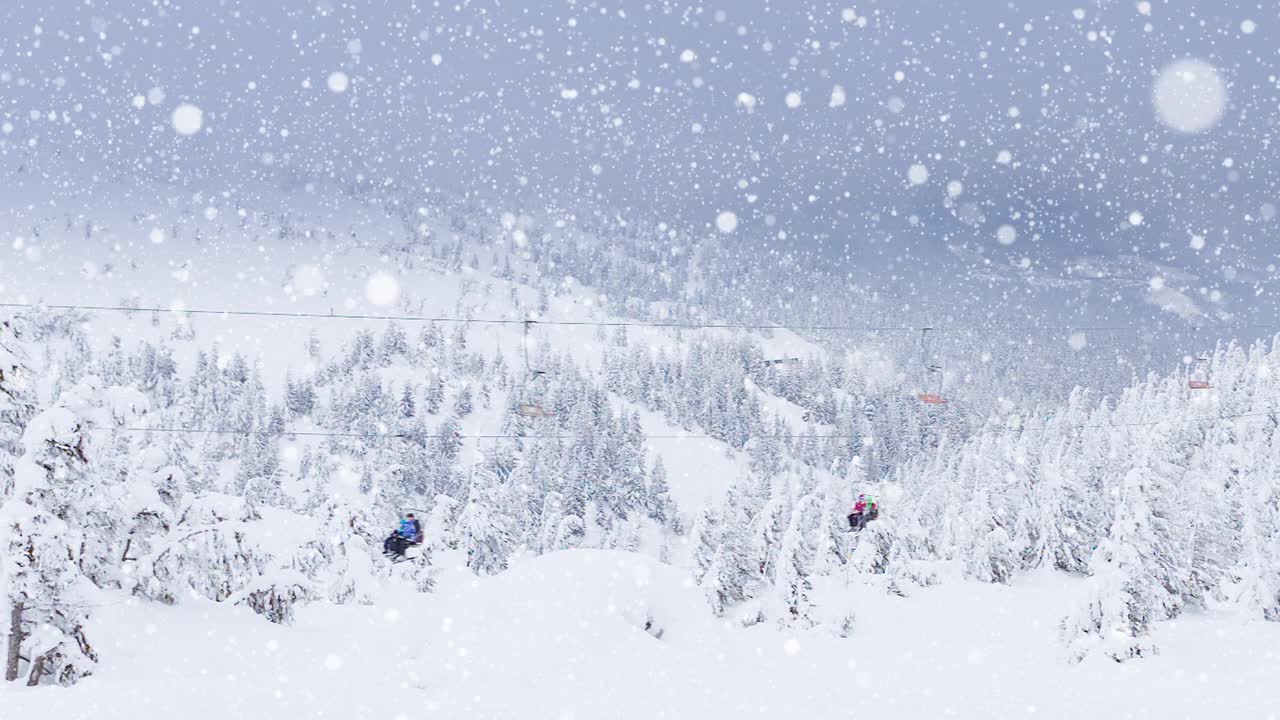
188, 119
308, 280
382, 289
1190, 96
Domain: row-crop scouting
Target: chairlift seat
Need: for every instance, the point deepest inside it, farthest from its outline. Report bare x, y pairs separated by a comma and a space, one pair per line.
932, 399
1199, 384
528, 410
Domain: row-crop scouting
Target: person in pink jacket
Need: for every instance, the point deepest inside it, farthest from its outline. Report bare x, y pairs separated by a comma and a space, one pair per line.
865, 510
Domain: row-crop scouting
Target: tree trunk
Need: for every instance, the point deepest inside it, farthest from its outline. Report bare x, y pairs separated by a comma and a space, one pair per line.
37, 672
15, 643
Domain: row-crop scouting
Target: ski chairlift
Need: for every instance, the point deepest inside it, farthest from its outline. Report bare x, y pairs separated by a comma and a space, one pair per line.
398, 544
1199, 379
864, 511
530, 404
930, 398
778, 361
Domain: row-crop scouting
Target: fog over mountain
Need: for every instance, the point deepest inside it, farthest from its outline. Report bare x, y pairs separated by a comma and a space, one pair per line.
984, 160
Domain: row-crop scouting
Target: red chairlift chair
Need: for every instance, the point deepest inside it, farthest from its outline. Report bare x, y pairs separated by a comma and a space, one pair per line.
1199, 379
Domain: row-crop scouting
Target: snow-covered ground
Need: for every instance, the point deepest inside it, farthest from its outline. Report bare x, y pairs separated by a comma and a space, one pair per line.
562, 636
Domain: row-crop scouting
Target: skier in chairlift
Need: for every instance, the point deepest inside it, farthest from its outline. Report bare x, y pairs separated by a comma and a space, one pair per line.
864, 511
409, 533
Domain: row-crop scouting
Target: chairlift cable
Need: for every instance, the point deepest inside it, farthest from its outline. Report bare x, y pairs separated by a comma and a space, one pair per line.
1272, 413
296, 315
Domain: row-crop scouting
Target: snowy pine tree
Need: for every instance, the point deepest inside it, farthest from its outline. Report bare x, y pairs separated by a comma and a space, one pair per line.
435, 394
462, 403
45, 587
408, 406
658, 502
17, 403
438, 530
1126, 594
704, 539
793, 586
481, 528
339, 563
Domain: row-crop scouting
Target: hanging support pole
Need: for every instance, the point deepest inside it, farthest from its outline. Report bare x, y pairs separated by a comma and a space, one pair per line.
934, 398
525, 344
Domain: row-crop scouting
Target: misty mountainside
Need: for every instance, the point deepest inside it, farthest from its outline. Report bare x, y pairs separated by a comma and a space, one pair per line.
182, 453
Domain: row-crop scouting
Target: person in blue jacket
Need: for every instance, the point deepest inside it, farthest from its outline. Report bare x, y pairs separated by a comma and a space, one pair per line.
409, 533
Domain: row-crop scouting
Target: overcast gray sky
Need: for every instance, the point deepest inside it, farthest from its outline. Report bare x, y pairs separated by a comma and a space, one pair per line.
950, 149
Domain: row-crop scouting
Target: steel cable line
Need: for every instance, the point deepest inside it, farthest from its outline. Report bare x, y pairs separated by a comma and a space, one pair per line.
651, 436
597, 323
281, 314
448, 319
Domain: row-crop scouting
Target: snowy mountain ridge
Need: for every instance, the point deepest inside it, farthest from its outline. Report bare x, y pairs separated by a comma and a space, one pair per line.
685, 444
214, 433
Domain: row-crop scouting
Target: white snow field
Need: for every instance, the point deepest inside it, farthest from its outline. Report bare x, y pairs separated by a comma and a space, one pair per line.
562, 636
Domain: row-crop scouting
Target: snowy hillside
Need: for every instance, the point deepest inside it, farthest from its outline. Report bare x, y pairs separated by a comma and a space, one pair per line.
258, 452
357, 415
562, 360
564, 636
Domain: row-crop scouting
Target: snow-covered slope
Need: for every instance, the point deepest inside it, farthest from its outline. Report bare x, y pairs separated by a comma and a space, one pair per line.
562, 636
347, 265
